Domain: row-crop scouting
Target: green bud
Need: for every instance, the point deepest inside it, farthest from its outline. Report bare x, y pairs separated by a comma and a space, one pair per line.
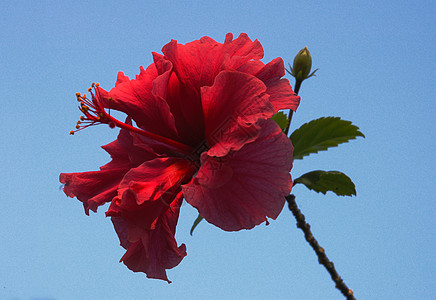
302, 65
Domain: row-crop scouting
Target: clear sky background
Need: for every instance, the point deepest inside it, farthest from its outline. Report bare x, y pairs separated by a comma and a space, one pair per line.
377, 69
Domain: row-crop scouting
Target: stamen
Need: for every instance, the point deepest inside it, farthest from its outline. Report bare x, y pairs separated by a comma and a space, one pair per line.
94, 113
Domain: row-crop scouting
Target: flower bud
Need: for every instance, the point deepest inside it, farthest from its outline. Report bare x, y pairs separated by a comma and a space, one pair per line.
302, 65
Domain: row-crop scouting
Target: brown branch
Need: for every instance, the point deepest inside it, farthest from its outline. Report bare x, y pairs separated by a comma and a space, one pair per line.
320, 252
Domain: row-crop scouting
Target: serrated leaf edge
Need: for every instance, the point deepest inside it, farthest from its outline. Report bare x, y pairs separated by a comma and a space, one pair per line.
325, 148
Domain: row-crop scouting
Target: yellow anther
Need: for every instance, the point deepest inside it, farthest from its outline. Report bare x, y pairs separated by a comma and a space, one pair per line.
84, 96
82, 118
78, 94
90, 89
110, 98
77, 126
93, 84
97, 84
71, 132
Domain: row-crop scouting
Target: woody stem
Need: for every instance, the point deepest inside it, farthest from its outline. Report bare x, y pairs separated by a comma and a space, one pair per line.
305, 227
320, 252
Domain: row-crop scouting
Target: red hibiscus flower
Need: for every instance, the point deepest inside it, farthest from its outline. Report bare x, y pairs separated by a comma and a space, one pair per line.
199, 129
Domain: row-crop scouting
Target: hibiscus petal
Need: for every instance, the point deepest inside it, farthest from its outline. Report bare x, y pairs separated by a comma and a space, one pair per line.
251, 67
240, 190
152, 251
196, 64
231, 108
141, 98
98, 187
241, 51
156, 179
124, 147
92, 188
243, 46
281, 94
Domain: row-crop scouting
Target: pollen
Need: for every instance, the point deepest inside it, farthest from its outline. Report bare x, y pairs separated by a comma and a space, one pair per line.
92, 109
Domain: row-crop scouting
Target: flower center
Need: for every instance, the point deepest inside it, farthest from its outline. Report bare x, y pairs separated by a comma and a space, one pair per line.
94, 113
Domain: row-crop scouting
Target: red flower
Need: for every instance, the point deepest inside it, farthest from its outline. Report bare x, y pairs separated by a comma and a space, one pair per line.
202, 133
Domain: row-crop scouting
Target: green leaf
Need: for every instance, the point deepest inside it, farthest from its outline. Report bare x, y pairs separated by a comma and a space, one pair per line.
196, 222
322, 181
281, 119
321, 134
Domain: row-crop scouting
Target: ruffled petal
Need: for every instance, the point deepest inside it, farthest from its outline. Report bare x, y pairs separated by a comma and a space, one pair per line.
152, 251
98, 187
231, 108
156, 179
126, 145
150, 188
145, 215
143, 99
251, 67
92, 188
240, 190
196, 65
241, 51
281, 94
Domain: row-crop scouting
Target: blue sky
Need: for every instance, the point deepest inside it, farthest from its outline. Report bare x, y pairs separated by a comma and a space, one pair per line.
377, 69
